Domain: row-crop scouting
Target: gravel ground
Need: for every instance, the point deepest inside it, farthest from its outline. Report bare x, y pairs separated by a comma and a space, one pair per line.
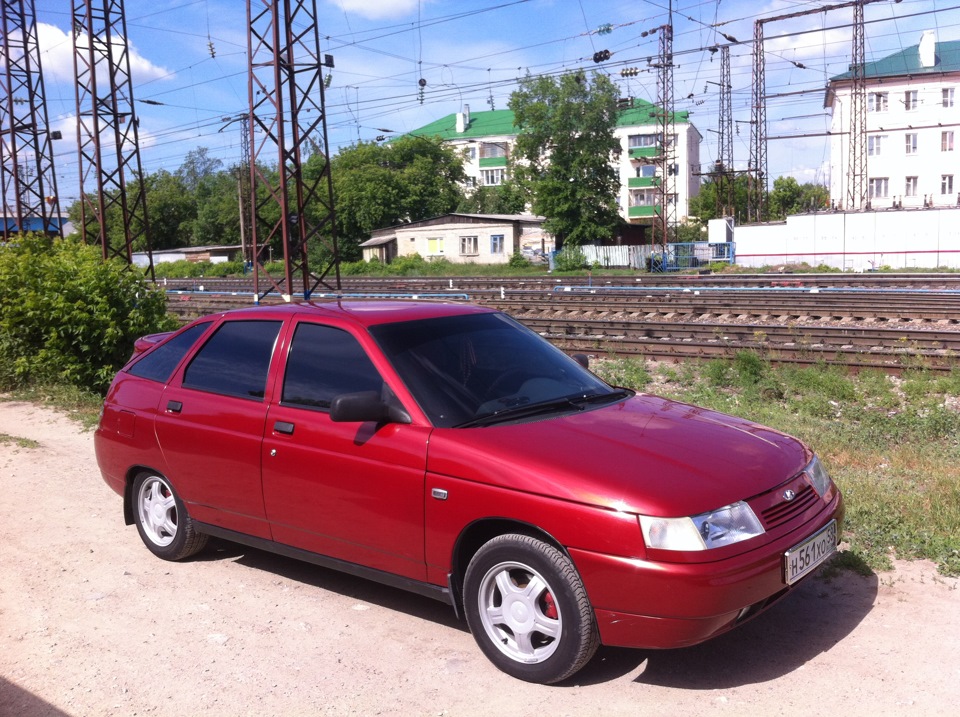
92, 624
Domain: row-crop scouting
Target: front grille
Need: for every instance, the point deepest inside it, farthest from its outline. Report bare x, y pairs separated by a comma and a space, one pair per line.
784, 510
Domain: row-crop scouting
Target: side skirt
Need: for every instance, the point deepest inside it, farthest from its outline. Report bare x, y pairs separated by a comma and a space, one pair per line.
429, 590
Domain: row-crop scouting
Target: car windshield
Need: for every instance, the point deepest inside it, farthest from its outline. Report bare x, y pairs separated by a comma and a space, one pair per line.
477, 369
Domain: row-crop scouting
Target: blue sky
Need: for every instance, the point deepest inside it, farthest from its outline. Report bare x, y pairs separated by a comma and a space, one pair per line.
472, 52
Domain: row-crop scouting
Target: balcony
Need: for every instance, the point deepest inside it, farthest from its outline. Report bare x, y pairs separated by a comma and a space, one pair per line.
491, 162
639, 182
649, 210
644, 152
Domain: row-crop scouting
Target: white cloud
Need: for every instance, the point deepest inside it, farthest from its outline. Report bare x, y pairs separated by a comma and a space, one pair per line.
56, 57
378, 9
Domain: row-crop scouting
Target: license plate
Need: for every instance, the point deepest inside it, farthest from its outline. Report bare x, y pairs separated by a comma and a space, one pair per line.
802, 558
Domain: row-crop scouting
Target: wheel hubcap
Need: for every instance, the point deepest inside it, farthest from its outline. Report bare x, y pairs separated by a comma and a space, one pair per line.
519, 613
158, 511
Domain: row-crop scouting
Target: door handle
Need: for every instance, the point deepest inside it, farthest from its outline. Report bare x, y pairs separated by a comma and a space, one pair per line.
284, 427
174, 406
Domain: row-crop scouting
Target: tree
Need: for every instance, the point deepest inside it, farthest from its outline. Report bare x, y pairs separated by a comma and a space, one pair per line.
790, 197
378, 186
563, 150
506, 198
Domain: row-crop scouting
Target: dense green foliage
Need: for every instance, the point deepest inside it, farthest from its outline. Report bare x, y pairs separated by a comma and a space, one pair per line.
892, 444
725, 196
66, 316
562, 157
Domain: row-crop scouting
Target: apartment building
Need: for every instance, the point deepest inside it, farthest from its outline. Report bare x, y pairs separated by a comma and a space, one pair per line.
912, 121
486, 140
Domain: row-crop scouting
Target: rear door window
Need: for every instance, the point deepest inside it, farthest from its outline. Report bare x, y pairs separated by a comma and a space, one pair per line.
325, 362
159, 364
236, 359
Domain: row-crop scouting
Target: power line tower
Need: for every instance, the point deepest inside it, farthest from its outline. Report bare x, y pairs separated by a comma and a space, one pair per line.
757, 168
287, 107
28, 182
107, 131
666, 128
857, 165
725, 133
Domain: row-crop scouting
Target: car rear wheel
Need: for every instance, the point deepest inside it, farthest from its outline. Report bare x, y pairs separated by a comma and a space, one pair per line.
528, 610
162, 520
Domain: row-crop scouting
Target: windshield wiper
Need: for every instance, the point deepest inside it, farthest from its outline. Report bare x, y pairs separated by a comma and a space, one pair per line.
576, 402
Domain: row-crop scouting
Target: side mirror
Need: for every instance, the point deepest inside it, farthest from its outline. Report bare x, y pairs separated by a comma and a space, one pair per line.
582, 359
364, 406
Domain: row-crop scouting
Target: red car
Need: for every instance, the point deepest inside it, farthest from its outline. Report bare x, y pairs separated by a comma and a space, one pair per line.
447, 450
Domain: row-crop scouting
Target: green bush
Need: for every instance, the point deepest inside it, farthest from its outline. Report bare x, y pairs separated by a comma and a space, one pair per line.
570, 258
66, 316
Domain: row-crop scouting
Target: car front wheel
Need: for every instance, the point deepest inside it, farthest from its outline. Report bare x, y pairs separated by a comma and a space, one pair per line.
162, 520
528, 610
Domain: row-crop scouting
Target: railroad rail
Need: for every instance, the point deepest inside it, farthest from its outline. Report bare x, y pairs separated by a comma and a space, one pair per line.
889, 323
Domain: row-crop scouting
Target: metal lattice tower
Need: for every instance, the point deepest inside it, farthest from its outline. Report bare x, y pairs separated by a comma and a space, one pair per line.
666, 128
287, 107
107, 130
757, 169
725, 158
857, 166
27, 178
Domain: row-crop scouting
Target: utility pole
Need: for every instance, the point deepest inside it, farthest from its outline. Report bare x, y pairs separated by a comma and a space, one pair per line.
857, 165
666, 128
287, 107
107, 131
28, 182
243, 177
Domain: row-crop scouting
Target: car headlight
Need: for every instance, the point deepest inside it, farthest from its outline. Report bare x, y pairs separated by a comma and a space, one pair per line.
727, 525
818, 477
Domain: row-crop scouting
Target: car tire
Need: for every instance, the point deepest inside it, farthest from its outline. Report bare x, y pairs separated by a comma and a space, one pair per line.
528, 610
162, 520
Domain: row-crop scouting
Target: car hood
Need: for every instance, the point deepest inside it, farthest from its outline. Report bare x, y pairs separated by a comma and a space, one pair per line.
645, 455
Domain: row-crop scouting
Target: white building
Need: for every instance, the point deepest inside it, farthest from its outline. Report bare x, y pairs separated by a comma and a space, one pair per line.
911, 122
487, 138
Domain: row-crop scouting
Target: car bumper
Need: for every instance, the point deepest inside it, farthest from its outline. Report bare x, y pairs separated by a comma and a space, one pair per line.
647, 604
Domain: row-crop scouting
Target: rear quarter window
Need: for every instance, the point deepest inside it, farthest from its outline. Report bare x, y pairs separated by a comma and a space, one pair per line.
159, 364
235, 360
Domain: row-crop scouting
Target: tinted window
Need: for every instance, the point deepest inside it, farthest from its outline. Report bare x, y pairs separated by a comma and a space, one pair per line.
159, 364
325, 362
235, 360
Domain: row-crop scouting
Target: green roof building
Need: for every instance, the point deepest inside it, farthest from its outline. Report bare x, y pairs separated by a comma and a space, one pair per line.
486, 139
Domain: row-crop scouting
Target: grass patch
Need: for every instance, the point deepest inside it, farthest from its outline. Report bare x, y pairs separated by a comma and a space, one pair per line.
891, 444
6, 439
79, 404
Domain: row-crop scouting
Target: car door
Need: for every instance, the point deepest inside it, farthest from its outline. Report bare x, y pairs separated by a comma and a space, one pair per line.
353, 491
210, 425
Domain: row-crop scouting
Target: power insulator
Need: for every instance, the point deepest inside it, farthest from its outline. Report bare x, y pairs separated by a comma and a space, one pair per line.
601, 56
629, 72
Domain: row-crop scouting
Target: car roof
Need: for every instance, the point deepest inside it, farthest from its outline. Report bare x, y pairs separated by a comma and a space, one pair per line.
365, 313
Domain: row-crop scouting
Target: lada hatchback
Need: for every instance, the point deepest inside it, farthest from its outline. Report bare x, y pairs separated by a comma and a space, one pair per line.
446, 449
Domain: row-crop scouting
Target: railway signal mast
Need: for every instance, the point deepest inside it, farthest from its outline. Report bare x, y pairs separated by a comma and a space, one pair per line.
288, 127
107, 131
28, 184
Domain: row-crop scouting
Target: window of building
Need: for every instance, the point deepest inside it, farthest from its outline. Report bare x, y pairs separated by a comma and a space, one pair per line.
323, 363
490, 150
642, 140
493, 177
910, 188
946, 141
911, 142
470, 152
644, 197
878, 187
496, 243
910, 100
947, 96
877, 101
468, 246
434, 246
235, 360
875, 144
946, 184
647, 170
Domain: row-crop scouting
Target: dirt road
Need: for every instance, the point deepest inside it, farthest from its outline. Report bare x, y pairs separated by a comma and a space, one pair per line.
92, 624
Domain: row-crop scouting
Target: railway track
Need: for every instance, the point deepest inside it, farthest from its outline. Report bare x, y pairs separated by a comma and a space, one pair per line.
888, 324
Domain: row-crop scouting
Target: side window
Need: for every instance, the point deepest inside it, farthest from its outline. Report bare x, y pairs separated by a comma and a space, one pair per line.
235, 360
323, 363
158, 365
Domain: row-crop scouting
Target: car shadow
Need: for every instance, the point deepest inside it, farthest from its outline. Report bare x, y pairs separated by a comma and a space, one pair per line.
817, 615
351, 586
14, 700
